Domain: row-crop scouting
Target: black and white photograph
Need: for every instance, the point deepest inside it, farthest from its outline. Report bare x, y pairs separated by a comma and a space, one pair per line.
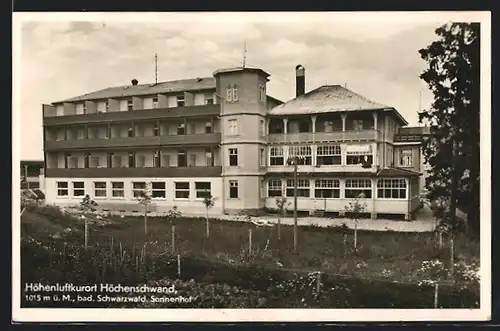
251, 166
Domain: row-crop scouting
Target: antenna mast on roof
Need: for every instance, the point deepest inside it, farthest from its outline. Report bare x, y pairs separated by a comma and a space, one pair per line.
244, 53
156, 68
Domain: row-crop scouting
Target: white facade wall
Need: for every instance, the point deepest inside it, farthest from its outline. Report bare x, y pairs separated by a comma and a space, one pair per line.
191, 206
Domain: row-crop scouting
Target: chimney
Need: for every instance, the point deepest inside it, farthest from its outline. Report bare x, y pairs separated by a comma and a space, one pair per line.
134, 81
300, 80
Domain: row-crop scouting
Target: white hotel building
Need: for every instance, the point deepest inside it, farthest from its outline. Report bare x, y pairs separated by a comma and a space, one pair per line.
224, 135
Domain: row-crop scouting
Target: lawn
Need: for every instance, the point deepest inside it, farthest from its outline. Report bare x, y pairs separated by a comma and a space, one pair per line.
389, 256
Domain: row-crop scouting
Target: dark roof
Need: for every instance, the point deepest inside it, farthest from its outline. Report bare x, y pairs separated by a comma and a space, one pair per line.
174, 86
328, 99
397, 172
237, 69
32, 163
414, 130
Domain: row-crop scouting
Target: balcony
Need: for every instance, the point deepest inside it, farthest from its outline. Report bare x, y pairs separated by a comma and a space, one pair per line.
166, 140
215, 171
407, 138
364, 135
133, 115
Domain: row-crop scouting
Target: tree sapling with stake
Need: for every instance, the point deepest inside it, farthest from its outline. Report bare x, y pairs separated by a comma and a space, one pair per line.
144, 199
354, 210
87, 209
209, 202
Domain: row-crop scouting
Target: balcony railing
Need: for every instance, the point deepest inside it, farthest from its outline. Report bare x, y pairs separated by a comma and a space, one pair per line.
407, 138
323, 136
322, 169
133, 115
215, 171
167, 140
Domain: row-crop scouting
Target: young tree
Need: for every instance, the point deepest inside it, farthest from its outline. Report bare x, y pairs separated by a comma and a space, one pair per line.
281, 203
209, 202
145, 200
353, 211
87, 209
452, 148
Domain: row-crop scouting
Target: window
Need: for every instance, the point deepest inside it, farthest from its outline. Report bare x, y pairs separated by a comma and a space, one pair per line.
123, 105
391, 189
102, 106
262, 157
209, 157
355, 187
208, 127
181, 158
117, 161
235, 93
138, 188
233, 157
131, 160
130, 132
78, 189
359, 154
80, 108
233, 189
59, 110
302, 188
180, 101
94, 162
303, 153
181, 129
157, 159
130, 105
62, 189
100, 189
156, 130
73, 162
209, 99
233, 126
86, 159
406, 158
165, 160
329, 155
192, 160
229, 94
357, 125
275, 188
117, 190
155, 102
158, 190
203, 189
276, 156
262, 93
140, 161
262, 128
182, 190
327, 188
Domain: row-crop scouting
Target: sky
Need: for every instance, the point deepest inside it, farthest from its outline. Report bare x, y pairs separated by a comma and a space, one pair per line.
62, 56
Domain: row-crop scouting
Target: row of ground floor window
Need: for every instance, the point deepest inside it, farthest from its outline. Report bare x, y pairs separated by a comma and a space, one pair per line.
239, 194
330, 188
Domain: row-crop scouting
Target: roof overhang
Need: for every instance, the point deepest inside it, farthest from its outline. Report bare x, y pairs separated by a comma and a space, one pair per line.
397, 115
240, 69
